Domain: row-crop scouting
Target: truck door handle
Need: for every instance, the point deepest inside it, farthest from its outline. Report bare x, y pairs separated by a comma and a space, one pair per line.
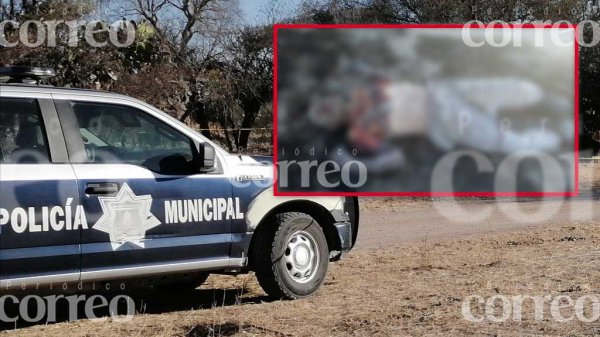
102, 188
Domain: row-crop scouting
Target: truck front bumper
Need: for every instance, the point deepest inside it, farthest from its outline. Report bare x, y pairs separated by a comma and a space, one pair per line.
347, 223
344, 230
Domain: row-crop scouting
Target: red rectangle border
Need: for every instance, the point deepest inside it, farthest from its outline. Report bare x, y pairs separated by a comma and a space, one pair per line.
574, 193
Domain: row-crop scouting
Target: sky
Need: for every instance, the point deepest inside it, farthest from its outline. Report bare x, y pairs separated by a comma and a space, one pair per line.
254, 10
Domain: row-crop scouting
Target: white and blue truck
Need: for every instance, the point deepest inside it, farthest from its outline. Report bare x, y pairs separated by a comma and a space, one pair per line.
96, 186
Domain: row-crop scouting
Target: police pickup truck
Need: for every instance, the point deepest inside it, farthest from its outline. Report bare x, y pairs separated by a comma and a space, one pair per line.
96, 186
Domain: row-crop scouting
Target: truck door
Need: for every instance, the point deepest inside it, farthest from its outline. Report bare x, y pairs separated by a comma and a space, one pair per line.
146, 205
40, 214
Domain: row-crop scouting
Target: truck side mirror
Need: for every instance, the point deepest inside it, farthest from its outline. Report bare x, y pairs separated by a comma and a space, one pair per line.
206, 157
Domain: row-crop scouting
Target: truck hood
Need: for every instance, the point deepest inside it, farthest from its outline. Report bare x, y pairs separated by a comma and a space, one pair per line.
252, 167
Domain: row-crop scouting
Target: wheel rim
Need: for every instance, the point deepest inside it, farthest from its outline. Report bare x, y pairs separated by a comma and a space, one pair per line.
301, 256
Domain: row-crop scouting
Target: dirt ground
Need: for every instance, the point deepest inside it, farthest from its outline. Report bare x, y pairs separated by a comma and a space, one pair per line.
415, 290
415, 262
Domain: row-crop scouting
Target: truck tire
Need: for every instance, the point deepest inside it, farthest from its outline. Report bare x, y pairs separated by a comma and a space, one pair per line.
291, 256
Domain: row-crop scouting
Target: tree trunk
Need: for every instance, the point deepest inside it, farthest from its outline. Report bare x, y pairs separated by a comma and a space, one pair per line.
11, 9
201, 119
195, 109
245, 134
251, 110
185, 115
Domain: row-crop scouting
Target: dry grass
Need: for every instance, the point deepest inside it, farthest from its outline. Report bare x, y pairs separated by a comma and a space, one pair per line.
410, 291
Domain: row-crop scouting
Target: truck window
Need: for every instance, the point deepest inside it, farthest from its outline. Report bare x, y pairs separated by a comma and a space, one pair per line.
119, 134
22, 137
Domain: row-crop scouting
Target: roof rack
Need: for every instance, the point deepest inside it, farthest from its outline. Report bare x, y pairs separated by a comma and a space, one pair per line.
27, 75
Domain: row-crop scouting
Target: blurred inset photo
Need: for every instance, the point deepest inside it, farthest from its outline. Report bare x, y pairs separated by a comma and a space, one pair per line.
426, 110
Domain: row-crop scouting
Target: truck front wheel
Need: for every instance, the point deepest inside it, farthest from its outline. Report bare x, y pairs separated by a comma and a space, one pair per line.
290, 258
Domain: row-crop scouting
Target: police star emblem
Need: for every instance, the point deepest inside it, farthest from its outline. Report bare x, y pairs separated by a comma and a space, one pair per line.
126, 217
